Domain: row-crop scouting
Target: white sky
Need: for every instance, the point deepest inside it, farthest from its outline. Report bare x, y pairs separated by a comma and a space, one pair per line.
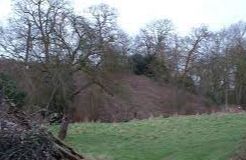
185, 14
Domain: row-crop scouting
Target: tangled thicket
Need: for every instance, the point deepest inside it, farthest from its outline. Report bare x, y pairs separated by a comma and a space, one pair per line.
27, 145
21, 139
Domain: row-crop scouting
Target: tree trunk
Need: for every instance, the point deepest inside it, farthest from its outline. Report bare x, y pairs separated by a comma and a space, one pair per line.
239, 95
64, 127
226, 97
1, 96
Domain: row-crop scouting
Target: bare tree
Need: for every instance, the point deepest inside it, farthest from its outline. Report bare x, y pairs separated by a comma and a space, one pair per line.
154, 39
50, 39
192, 48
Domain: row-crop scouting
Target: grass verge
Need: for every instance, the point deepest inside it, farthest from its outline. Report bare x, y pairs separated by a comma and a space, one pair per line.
204, 137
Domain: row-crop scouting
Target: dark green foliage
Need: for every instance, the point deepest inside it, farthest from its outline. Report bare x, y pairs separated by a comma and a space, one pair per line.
150, 66
140, 63
158, 70
10, 90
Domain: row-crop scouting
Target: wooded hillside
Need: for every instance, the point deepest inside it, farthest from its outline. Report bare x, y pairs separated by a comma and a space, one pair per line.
69, 64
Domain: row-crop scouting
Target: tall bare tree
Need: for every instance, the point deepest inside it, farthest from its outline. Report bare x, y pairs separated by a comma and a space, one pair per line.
55, 43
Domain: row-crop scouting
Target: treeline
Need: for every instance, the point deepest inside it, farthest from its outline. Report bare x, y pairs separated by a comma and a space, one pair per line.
46, 45
209, 63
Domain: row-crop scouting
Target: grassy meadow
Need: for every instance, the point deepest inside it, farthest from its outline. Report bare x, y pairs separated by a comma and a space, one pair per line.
203, 137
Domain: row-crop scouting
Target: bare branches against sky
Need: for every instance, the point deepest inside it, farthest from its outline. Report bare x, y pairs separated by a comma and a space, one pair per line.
134, 14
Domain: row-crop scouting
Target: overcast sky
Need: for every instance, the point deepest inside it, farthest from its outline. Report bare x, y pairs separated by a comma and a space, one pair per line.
185, 14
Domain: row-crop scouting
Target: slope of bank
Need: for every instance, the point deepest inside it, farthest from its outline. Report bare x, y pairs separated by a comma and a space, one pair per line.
131, 96
136, 97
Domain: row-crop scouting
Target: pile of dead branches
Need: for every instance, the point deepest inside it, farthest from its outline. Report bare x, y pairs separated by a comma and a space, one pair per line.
34, 145
21, 139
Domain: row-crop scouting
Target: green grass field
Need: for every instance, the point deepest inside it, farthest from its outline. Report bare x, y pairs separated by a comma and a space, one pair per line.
206, 137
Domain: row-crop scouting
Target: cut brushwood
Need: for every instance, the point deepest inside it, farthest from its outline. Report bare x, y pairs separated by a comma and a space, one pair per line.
22, 139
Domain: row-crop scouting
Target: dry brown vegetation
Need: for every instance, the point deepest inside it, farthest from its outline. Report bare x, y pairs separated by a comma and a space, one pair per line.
136, 97
133, 97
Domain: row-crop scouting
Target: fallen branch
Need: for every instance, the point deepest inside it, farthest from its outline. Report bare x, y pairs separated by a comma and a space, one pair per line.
22, 139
